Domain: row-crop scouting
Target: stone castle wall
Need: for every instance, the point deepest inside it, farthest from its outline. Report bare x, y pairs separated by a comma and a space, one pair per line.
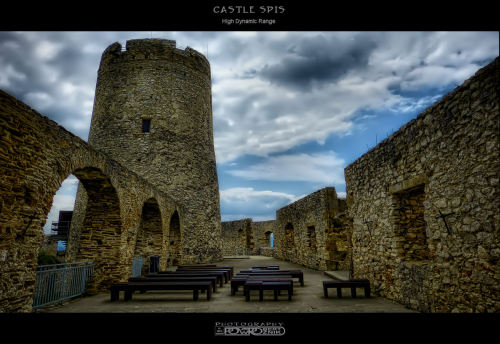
262, 233
313, 232
425, 204
246, 237
36, 156
153, 80
268, 252
237, 237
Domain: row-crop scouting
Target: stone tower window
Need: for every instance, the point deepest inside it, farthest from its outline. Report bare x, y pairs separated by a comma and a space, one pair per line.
146, 125
410, 224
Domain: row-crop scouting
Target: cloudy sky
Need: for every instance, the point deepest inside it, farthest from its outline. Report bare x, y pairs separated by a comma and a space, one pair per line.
291, 109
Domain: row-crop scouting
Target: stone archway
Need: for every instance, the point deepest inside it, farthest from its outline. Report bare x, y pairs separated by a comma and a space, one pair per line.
268, 239
150, 234
175, 239
36, 156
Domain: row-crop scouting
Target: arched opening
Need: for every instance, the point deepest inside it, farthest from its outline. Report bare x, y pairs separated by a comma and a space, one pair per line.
175, 239
100, 233
269, 239
149, 235
336, 244
58, 220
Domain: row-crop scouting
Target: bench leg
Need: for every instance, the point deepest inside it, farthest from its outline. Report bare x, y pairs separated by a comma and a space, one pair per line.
128, 295
233, 291
276, 292
261, 294
302, 281
247, 294
195, 294
353, 292
339, 292
115, 294
367, 291
209, 293
290, 293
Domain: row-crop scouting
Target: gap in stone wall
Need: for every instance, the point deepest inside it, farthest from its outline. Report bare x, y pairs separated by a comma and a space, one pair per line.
58, 220
411, 225
336, 244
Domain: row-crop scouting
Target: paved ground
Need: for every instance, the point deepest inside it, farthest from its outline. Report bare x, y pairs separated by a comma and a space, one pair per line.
306, 299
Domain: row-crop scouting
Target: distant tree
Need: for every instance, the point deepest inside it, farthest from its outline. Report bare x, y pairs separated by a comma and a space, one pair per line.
44, 258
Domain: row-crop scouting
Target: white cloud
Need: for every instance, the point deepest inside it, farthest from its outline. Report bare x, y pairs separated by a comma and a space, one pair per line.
325, 168
47, 50
437, 76
39, 100
238, 203
246, 194
8, 72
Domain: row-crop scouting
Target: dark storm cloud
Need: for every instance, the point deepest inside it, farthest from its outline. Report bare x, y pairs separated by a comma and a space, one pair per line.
317, 60
53, 72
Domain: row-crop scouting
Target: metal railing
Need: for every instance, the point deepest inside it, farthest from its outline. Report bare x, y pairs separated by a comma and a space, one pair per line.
137, 266
59, 282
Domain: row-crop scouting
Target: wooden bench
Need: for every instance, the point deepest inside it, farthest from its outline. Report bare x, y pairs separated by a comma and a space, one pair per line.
206, 267
220, 274
353, 284
197, 266
227, 269
130, 287
261, 285
295, 273
240, 280
173, 278
268, 267
227, 272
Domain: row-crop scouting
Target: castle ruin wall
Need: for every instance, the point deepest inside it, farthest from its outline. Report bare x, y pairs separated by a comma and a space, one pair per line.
314, 232
36, 156
425, 204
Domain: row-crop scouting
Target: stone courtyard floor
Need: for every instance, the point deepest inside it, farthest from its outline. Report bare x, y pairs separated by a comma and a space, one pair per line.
306, 299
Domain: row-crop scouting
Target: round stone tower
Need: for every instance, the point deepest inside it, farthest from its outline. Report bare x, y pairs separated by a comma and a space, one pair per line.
153, 113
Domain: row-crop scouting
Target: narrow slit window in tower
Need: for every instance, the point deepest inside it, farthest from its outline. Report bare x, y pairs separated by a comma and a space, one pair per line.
146, 125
